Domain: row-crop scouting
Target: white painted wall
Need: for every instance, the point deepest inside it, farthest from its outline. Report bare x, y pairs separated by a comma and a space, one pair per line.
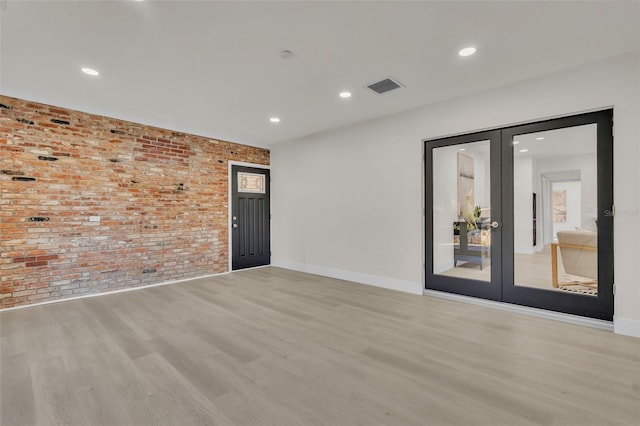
586, 165
523, 205
445, 206
349, 203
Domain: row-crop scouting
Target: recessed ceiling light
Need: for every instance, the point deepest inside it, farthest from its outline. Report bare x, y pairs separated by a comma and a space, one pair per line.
540, 138
467, 51
90, 71
462, 149
345, 94
274, 120
524, 150
516, 142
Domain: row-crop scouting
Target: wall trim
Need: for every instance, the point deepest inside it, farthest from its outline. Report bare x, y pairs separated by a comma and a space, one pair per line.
541, 313
619, 326
374, 280
245, 164
232, 163
622, 326
106, 293
626, 327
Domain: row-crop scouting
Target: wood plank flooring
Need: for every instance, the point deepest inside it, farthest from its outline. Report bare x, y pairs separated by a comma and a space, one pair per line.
530, 270
275, 347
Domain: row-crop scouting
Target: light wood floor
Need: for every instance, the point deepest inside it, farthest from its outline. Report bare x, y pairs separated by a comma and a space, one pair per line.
530, 270
270, 346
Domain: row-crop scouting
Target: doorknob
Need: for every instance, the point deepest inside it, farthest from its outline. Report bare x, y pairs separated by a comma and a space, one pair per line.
494, 224
235, 225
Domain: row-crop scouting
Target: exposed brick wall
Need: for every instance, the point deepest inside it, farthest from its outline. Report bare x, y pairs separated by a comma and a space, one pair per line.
91, 204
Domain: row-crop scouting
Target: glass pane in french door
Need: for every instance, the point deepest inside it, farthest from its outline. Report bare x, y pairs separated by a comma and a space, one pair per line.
462, 211
555, 210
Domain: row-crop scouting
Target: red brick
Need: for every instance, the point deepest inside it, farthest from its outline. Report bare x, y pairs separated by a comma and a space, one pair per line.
49, 257
23, 259
109, 254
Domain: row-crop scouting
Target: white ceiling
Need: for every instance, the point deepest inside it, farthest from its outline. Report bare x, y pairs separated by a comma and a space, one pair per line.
214, 68
566, 142
557, 143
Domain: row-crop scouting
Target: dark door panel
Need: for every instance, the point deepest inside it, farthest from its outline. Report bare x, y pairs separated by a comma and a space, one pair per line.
557, 257
250, 217
571, 150
463, 253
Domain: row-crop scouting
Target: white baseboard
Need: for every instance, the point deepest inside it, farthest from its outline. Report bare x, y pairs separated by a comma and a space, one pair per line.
619, 325
541, 313
106, 293
374, 280
626, 327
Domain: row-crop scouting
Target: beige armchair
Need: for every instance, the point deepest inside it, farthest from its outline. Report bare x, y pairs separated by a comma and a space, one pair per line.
579, 252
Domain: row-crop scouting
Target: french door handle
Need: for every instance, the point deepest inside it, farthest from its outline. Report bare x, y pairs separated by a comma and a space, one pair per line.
495, 224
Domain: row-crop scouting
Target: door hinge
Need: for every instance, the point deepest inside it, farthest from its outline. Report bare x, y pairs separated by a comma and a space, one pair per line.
614, 289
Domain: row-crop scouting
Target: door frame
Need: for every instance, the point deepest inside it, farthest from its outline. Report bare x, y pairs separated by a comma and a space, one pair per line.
602, 306
232, 163
600, 309
489, 290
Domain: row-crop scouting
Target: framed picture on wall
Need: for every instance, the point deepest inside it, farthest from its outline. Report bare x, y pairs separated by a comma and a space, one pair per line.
465, 185
560, 206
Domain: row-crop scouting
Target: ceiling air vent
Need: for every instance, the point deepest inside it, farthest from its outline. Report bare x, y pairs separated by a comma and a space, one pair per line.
384, 86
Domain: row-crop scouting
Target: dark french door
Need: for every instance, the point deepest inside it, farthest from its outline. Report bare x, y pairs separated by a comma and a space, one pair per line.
523, 214
250, 217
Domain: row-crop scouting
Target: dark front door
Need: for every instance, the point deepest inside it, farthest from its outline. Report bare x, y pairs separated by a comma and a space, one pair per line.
524, 215
250, 217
